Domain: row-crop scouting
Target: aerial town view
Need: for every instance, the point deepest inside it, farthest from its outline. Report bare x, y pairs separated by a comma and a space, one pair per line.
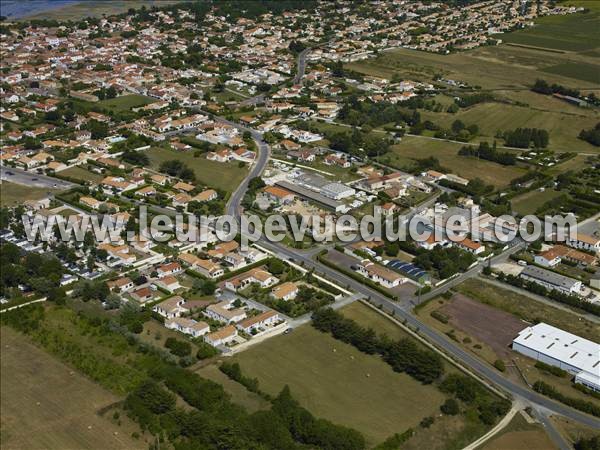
300, 224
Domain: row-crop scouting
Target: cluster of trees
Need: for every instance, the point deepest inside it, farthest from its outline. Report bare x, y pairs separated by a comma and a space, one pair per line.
489, 153
359, 113
592, 135
215, 422
178, 169
592, 443
308, 299
446, 260
402, 355
525, 137
542, 87
234, 371
357, 142
472, 393
473, 99
39, 273
476, 187
177, 347
561, 297
582, 405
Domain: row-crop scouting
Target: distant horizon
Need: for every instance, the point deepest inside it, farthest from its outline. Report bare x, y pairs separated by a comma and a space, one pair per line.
18, 9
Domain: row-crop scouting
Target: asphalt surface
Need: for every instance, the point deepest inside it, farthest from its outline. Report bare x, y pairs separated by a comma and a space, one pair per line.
402, 312
301, 65
20, 176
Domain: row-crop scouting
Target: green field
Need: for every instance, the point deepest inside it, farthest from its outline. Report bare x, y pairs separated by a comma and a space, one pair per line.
493, 117
415, 147
529, 202
335, 381
45, 404
12, 194
571, 32
79, 173
580, 71
125, 102
492, 67
226, 176
239, 394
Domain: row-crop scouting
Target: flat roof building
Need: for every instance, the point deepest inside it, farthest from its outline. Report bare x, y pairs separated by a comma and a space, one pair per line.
551, 345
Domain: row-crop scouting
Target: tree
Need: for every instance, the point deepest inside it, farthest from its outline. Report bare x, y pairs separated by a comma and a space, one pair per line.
276, 267
450, 407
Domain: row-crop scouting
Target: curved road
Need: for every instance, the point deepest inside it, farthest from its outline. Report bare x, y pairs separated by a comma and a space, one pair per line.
403, 312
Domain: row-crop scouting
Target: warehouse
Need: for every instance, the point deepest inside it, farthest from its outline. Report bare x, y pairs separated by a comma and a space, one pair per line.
567, 351
312, 196
337, 191
551, 280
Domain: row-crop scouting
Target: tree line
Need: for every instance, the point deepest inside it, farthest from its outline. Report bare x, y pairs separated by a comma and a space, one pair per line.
489, 153
402, 355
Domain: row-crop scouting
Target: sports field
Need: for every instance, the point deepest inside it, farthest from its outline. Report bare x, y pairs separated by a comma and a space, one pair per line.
335, 381
226, 176
12, 194
415, 147
46, 404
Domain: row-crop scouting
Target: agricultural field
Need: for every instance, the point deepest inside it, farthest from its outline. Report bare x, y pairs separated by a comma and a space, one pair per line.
79, 173
45, 404
414, 147
520, 434
572, 32
125, 102
226, 176
335, 381
493, 117
12, 194
493, 67
529, 202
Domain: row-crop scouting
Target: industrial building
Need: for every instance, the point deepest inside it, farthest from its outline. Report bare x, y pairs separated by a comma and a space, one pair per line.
551, 280
551, 345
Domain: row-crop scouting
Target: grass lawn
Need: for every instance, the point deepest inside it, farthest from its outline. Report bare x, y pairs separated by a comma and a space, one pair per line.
82, 174
529, 202
125, 102
12, 194
226, 176
414, 147
45, 404
520, 435
528, 309
337, 382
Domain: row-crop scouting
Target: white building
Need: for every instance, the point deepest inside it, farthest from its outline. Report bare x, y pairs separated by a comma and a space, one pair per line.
551, 280
187, 326
567, 351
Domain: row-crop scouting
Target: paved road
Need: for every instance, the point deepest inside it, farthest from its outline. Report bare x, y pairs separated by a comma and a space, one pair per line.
467, 359
301, 65
20, 176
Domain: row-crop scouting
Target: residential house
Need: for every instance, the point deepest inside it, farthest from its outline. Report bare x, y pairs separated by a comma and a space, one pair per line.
285, 291
379, 274
225, 312
142, 295
172, 268
171, 307
252, 325
223, 336
121, 285
188, 326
